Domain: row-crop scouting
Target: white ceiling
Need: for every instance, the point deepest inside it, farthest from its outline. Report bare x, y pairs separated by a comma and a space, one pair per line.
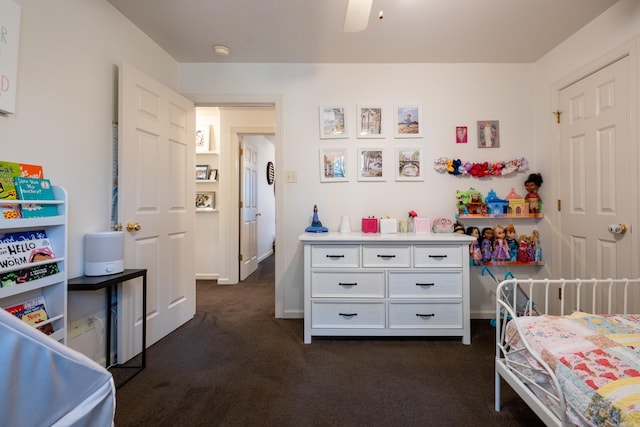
311, 31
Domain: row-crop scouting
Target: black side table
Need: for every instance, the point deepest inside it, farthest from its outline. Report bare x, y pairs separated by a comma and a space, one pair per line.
94, 283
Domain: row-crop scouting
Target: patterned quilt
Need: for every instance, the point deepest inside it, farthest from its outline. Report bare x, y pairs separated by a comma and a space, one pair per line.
596, 359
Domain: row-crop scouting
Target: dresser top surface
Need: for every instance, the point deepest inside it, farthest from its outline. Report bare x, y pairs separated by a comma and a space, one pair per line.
359, 237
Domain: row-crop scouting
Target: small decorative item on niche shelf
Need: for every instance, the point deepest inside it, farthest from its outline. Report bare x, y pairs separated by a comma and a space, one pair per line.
205, 200
213, 175
202, 172
203, 138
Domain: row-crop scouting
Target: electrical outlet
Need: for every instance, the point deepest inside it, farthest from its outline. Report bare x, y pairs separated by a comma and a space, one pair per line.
291, 176
75, 329
89, 324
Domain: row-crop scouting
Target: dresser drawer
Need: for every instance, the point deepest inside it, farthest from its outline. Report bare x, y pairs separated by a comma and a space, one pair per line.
425, 315
437, 256
386, 256
347, 314
409, 284
347, 284
335, 256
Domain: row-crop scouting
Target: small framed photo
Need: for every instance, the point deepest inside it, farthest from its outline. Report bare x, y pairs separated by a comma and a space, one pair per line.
205, 200
333, 165
371, 164
202, 172
488, 134
409, 165
369, 121
213, 175
407, 121
421, 225
333, 122
203, 138
461, 135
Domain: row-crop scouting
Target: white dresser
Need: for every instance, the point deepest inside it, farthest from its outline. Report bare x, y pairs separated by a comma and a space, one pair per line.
370, 284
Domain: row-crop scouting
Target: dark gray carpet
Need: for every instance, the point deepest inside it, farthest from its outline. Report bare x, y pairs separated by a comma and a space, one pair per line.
234, 364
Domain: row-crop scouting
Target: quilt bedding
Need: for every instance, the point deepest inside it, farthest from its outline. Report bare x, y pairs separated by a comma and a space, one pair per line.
596, 359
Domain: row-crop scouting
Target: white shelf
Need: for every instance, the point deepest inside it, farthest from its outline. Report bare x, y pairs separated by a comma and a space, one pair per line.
52, 288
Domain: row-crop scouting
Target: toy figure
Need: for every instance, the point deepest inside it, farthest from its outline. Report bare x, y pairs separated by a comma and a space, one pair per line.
524, 254
500, 248
316, 226
474, 248
487, 243
537, 249
532, 184
458, 227
512, 241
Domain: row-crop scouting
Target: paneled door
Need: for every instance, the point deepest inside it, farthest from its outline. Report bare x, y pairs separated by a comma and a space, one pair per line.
156, 150
248, 208
598, 183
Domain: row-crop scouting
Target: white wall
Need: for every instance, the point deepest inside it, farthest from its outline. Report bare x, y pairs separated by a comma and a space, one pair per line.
450, 95
66, 97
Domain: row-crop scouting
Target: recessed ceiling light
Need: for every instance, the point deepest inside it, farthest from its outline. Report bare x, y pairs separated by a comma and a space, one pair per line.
221, 50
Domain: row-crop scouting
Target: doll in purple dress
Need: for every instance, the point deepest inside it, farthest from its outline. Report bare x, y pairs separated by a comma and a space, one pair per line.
487, 243
500, 247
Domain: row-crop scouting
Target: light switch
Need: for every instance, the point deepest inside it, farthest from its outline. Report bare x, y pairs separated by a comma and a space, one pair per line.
290, 176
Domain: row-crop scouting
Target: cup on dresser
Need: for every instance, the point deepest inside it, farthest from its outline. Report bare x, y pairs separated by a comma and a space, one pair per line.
345, 224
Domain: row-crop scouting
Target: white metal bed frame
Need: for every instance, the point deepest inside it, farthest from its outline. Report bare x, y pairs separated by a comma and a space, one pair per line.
596, 296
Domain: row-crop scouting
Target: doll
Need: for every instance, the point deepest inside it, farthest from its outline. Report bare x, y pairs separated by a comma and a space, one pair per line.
486, 243
532, 184
474, 248
537, 249
524, 251
500, 248
512, 241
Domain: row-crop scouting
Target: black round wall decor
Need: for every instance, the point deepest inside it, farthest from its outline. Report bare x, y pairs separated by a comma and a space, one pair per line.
270, 173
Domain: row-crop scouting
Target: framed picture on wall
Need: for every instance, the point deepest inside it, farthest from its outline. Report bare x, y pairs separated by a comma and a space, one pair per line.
488, 134
407, 121
203, 138
333, 165
409, 166
202, 172
371, 164
369, 121
205, 200
333, 121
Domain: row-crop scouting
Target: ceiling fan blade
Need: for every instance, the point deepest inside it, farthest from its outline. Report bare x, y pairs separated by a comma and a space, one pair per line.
357, 18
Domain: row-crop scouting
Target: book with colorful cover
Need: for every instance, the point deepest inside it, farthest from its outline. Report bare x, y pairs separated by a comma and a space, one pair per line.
32, 311
24, 247
8, 172
31, 171
25, 275
35, 189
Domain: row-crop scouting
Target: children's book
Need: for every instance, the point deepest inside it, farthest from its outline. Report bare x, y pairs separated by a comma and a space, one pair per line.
35, 189
32, 311
25, 275
31, 171
8, 171
23, 248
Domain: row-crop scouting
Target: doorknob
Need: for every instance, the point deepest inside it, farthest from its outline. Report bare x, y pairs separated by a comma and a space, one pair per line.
133, 226
258, 214
617, 228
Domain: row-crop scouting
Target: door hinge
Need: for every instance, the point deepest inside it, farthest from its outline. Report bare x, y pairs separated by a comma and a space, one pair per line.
240, 257
557, 114
240, 204
559, 205
241, 151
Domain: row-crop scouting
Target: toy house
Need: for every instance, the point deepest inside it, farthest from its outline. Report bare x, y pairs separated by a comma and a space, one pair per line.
517, 204
495, 205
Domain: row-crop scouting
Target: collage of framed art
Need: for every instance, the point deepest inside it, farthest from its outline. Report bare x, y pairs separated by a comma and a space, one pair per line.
375, 162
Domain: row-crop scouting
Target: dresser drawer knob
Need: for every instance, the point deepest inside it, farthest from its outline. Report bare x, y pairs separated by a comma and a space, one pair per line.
348, 314
425, 315
335, 256
437, 256
348, 284
425, 284
386, 256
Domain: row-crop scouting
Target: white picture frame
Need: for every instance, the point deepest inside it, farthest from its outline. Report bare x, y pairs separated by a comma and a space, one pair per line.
409, 164
370, 121
333, 121
371, 162
334, 165
205, 200
407, 121
203, 138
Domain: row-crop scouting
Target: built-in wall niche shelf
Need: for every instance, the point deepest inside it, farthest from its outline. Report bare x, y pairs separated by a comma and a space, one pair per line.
199, 210
506, 216
200, 181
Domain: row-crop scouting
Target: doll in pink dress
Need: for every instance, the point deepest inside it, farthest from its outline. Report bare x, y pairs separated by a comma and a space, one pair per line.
500, 246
